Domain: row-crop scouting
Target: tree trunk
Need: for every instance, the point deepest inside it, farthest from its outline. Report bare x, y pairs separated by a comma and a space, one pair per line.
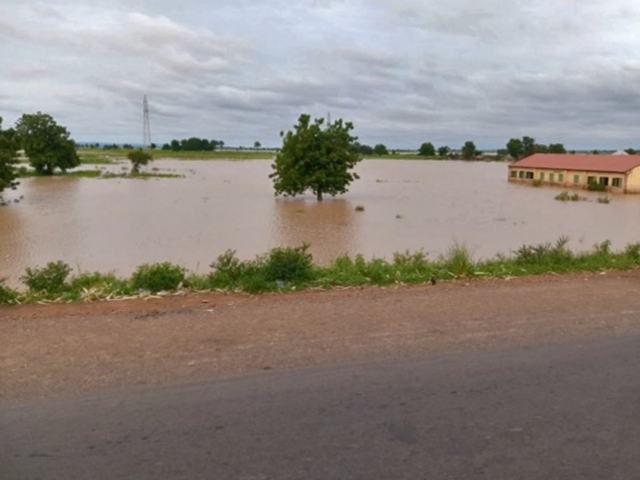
319, 194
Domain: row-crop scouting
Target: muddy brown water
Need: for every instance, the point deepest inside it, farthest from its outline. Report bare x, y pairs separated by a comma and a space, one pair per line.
118, 224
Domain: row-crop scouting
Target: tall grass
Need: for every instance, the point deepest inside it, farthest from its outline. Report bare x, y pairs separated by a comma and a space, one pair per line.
288, 269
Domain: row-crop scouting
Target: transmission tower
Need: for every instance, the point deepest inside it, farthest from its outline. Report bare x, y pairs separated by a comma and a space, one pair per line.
146, 128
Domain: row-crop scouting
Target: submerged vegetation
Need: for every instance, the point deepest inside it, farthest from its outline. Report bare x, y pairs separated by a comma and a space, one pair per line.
567, 197
23, 172
291, 269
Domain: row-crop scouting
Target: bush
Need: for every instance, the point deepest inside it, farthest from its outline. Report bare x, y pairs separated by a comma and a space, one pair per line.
605, 200
97, 285
545, 253
138, 158
632, 251
289, 264
458, 261
565, 197
158, 277
7, 295
51, 279
537, 183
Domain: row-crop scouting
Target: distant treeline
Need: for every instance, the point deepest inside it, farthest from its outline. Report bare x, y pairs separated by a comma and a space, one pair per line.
193, 144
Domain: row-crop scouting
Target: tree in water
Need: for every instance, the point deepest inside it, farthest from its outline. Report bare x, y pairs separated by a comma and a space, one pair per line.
46, 143
138, 158
428, 150
8, 160
469, 150
316, 158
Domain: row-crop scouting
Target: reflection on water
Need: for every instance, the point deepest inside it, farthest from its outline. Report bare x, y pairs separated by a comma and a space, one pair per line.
330, 227
118, 224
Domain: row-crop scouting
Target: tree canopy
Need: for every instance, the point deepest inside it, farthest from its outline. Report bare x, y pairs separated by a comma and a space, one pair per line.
444, 151
8, 153
193, 144
515, 147
317, 158
427, 150
527, 146
469, 150
138, 158
381, 149
46, 143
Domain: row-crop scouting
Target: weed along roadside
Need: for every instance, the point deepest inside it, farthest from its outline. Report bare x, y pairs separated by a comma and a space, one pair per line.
292, 269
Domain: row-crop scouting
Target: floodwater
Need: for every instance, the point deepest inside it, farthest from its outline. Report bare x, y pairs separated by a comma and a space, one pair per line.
118, 224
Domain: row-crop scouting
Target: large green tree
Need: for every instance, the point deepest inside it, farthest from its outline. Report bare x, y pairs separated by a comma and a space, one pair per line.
557, 148
8, 154
46, 143
444, 151
529, 146
317, 158
427, 150
515, 147
381, 149
469, 150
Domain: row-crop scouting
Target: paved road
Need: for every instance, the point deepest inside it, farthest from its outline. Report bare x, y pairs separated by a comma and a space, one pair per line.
546, 412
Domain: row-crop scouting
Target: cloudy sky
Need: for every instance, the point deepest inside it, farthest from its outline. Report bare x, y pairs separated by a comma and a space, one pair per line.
403, 71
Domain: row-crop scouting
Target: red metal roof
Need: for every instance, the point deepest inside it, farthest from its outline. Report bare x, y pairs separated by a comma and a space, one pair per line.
590, 163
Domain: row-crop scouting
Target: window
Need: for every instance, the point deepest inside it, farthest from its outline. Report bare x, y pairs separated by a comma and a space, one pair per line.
514, 174
529, 175
616, 182
561, 177
542, 176
592, 180
521, 174
604, 181
552, 177
576, 179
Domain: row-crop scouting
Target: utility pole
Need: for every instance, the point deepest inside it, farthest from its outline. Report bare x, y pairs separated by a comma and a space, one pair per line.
146, 128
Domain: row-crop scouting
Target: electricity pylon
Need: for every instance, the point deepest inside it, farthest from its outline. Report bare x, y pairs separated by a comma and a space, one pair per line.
146, 128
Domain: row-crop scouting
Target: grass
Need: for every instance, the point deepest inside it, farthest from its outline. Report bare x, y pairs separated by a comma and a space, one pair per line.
26, 173
92, 158
141, 175
292, 269
112, 155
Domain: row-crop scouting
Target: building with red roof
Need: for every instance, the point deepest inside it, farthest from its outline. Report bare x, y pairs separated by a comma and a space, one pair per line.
615, 173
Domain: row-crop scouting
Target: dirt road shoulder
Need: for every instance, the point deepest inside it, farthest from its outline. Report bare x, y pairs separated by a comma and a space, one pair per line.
68, 349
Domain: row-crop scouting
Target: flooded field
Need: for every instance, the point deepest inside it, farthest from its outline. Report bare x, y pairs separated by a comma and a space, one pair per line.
117, 224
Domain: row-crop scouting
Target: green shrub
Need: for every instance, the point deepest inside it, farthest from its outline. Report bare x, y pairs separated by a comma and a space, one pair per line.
158, 277
596, 187
604, 200
458, 261
289, 264
545, 253
96, 285
7, 295
536, 183
256, 282
632, 251
227, 270
51, 279
565, 197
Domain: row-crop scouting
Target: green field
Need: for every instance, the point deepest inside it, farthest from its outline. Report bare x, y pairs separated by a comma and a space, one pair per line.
98, 156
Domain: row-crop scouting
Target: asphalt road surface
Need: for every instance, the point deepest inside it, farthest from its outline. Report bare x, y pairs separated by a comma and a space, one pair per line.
563, 411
